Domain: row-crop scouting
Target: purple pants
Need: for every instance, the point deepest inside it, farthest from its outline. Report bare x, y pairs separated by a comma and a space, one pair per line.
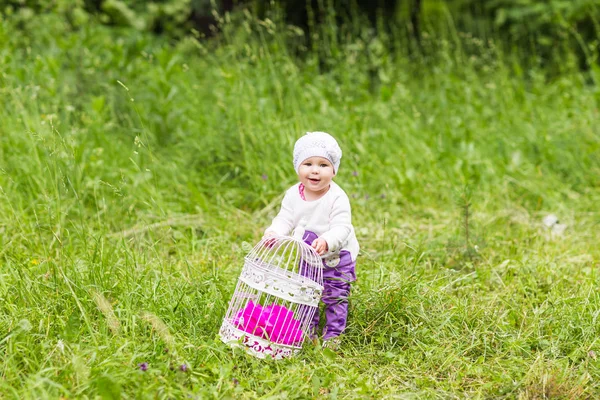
338, 274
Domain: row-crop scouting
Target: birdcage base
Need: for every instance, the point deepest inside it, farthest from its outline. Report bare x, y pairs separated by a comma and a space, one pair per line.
254, 345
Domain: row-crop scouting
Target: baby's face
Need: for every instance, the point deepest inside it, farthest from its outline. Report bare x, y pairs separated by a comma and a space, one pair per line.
316, 174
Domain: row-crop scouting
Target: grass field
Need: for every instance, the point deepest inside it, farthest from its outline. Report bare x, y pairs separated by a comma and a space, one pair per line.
132, 172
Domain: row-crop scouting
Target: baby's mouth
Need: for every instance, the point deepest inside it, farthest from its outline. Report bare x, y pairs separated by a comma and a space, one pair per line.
313, 180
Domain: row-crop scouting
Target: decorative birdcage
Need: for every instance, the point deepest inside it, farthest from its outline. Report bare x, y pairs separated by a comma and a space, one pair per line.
276, 297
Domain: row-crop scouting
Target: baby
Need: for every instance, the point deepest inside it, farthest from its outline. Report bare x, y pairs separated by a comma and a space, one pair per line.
322, 208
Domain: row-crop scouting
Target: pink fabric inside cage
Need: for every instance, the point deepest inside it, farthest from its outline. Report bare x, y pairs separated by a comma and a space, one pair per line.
273, 322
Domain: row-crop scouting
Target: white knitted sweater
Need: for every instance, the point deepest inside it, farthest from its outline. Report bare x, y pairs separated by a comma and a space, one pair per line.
329, 217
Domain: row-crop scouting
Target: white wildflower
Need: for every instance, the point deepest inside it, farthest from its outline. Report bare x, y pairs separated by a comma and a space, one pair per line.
556, 228
550, 220
60, 345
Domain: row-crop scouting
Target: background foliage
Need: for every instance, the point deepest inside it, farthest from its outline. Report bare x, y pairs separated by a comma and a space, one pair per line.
546, 20
549, 29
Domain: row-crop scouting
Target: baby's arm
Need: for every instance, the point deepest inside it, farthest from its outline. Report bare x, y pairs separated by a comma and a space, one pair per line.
283, 223
340, 223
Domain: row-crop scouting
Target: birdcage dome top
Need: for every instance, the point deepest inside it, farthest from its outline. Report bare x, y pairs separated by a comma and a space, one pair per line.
287, 267
285, 252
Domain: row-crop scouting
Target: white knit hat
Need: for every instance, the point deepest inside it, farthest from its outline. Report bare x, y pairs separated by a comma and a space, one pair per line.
317, 144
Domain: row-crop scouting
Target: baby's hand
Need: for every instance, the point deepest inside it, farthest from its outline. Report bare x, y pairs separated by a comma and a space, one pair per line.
320, 245
269, 239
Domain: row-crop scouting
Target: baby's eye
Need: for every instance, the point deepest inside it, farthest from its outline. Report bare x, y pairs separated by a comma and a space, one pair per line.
307, 164
323, 165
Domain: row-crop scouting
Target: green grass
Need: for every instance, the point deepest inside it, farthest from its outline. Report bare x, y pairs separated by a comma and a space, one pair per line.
132, 171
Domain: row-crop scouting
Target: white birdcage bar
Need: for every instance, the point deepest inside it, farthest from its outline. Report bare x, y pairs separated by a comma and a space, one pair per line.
276, 297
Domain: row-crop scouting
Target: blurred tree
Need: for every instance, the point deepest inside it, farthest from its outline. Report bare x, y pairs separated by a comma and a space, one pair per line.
541, 26
176, 17
415, 18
